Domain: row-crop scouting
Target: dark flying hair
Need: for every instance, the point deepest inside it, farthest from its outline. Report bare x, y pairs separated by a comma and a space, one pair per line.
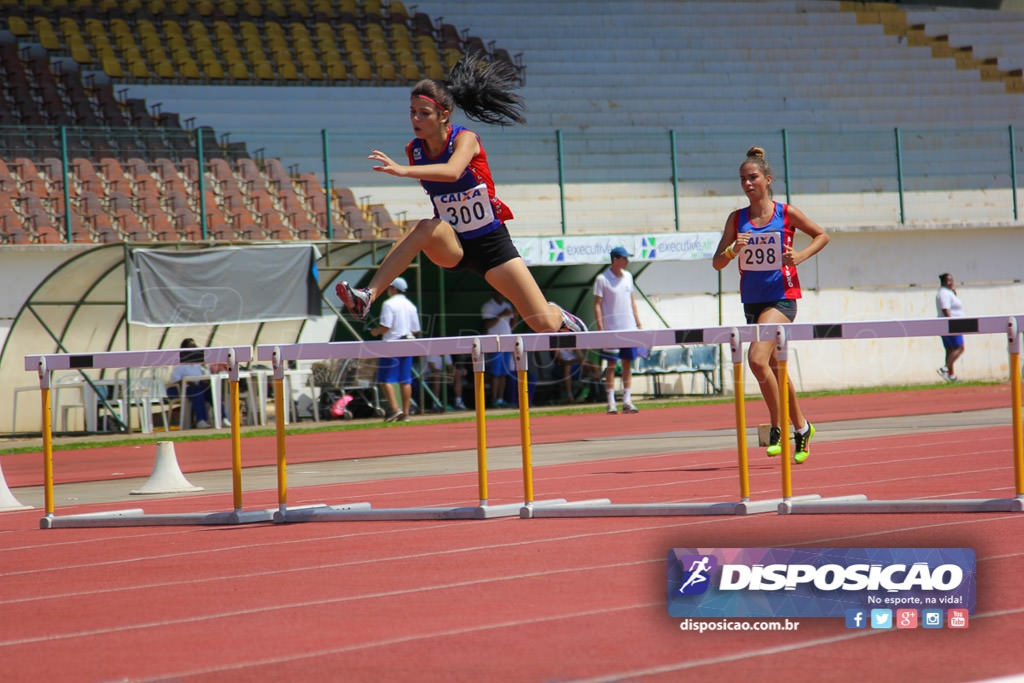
480, 88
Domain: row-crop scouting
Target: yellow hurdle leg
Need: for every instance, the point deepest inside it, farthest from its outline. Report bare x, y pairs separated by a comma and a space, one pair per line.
741, 431
524, 435
236, 446
481, 436
1018, 436
282, 476
47, 450
787, 472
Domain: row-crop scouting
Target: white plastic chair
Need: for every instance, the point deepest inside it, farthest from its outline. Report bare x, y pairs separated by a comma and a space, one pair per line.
146, 392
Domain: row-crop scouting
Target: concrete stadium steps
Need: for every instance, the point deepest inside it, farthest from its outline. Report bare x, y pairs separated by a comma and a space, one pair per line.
734, 72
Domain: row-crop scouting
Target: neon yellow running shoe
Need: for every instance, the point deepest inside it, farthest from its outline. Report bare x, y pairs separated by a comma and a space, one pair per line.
774, 441
803, 441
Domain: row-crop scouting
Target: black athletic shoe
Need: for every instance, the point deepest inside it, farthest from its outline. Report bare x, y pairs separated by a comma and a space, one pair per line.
774, 441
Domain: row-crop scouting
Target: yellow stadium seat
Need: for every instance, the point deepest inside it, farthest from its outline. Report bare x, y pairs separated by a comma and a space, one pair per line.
80, 51
313, 71
112, 68
188, 69
433, 70
264, 71
138, 69
299, 7
238, 70
410, 71
164, 69
288, 72
18, 26
336, 71
396, 8
451, 55
213, 69
362, 71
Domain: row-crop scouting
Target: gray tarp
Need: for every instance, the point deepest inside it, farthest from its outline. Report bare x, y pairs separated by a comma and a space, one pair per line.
223, 285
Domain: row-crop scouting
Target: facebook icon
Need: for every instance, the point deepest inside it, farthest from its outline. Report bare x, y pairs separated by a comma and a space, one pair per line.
856, 618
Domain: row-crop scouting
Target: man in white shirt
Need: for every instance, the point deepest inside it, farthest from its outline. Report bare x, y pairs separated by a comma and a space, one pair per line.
949, 305
398, 320
615, 309
499, 317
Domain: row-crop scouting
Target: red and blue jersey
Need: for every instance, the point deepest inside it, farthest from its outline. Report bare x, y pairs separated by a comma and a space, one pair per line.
468, 204
763, 276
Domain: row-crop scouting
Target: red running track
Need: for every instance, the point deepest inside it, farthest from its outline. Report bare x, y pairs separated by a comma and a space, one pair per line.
509, 599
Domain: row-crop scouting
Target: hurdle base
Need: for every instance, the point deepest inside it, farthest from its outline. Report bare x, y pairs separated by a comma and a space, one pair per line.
605, 508
137, 517
357, 512
861, 504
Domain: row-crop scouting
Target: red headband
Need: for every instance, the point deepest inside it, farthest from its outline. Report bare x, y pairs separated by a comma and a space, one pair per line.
431, 99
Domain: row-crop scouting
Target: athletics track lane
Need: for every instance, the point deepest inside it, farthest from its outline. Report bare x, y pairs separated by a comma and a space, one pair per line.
119, 462
500, 599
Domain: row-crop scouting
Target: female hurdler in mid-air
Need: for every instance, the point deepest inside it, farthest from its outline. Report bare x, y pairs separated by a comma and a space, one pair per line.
468, 228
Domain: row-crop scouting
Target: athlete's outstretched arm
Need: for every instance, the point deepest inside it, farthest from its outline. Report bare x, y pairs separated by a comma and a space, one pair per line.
466, 147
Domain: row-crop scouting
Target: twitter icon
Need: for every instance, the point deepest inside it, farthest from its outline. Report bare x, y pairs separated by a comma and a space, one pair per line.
881, 618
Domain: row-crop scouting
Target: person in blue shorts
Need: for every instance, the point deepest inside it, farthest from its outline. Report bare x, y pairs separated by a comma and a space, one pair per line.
760, 238
949, 305
615, 309
468, 228
399, 319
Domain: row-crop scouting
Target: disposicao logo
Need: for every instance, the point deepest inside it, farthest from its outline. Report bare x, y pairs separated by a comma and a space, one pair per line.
818, 582
697, 578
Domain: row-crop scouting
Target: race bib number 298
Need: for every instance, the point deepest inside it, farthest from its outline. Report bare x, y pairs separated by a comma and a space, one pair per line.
467, 210
762, 252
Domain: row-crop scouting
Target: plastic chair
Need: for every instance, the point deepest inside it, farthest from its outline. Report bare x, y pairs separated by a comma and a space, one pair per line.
146, 392
704, 361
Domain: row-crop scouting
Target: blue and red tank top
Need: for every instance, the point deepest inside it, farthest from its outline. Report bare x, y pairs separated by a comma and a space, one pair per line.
468, 204
763, 276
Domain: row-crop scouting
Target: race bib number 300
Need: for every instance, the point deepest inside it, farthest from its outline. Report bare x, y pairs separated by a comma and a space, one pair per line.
762, 252
465, 211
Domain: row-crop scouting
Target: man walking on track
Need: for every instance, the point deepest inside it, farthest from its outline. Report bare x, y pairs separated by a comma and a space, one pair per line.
615, 309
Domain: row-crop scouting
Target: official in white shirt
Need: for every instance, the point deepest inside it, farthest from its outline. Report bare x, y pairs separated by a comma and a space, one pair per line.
399, 319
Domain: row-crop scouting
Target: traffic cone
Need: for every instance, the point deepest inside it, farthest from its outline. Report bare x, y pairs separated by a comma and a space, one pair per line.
166, 476
7, 499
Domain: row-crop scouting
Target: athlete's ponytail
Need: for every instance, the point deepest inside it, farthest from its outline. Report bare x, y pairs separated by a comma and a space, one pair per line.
480, 88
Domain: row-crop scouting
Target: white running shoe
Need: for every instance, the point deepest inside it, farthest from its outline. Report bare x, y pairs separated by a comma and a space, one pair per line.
570, 323
357, 301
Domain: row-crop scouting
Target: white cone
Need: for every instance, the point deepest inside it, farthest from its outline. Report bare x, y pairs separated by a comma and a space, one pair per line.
167, 476
7, 499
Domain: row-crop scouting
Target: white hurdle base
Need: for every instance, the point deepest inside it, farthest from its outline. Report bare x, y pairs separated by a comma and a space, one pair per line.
860, 504
137, 517
604, 508
360, 512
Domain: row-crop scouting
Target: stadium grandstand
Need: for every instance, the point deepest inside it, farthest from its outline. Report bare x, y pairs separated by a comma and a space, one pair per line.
189, 124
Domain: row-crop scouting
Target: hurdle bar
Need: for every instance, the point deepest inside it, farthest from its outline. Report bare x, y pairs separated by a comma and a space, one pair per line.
927, 327
46, 364
735, 337
280, 355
